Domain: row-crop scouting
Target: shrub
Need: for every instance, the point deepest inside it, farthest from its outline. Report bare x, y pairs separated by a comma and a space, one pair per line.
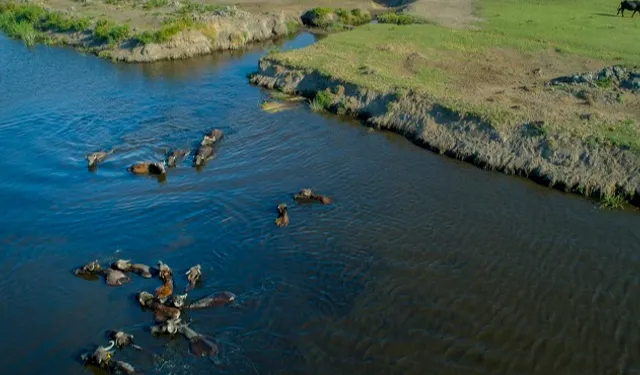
292, 26
29, 13
23, 30
355, 17
170, 28
334, 20
19, 22
111, 33
604, 82
58, 22
322, 101
612, 201
321, 12
400, 19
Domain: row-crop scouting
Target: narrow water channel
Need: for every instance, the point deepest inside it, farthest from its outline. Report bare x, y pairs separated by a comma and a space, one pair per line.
423, 265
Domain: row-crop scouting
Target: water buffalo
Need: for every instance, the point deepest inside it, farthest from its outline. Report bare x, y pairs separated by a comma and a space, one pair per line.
174, 155
148, 168
283, 216
629, 5
212, 300
193, 275
307, 195
96, 158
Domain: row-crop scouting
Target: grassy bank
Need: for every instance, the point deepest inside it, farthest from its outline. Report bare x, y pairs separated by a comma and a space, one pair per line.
488, 94
186, 29
487, 72
335, 19
30, 22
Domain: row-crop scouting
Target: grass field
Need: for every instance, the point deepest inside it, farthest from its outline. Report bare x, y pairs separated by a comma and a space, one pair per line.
486, 71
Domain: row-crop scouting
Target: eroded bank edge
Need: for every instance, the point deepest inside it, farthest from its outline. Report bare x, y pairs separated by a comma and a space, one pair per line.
564, 163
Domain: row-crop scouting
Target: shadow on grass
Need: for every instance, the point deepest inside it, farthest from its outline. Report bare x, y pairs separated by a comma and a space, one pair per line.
606, 15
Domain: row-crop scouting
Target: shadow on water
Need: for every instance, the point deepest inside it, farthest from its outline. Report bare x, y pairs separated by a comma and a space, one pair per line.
421, 265
193, 67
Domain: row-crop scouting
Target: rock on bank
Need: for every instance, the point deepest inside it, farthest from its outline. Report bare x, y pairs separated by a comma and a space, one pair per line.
561, 162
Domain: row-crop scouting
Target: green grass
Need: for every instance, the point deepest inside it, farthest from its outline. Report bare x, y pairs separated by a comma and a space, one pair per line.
110, 32
292, 27
25, 31
29, 22
612, 201
579, 29
624, 134
322, 101
169, 28
336, 19
58, 22
605, 82
400, 19
152, 4
353, 17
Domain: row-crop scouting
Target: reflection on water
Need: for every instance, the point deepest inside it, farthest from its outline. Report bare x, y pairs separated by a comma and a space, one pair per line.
422, 264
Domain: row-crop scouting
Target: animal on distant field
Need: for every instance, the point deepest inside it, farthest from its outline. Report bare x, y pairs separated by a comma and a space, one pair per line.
147, 168
629, 5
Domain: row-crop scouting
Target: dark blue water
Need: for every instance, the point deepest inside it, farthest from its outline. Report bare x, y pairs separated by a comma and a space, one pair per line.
422, 265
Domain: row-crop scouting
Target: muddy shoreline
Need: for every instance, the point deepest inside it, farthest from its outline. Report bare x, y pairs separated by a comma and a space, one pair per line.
562, 163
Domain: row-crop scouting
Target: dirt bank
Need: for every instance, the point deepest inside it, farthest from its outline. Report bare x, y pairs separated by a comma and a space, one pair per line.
217, 33
560, 162
213, 33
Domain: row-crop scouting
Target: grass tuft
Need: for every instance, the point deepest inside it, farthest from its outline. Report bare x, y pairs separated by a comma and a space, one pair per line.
400, 19
29, 22
612, 201
58, 22
23, 30
110, 32
292, 27
169, 28
336, 19
321, 102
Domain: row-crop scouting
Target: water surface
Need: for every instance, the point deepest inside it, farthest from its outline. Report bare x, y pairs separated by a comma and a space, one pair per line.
423, 265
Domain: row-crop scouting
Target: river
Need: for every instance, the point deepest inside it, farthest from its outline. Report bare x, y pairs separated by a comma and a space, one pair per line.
423, 264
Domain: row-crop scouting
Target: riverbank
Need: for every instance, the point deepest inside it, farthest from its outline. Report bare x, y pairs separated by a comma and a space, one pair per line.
594, 167
140, 31
524, 91
185, 32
